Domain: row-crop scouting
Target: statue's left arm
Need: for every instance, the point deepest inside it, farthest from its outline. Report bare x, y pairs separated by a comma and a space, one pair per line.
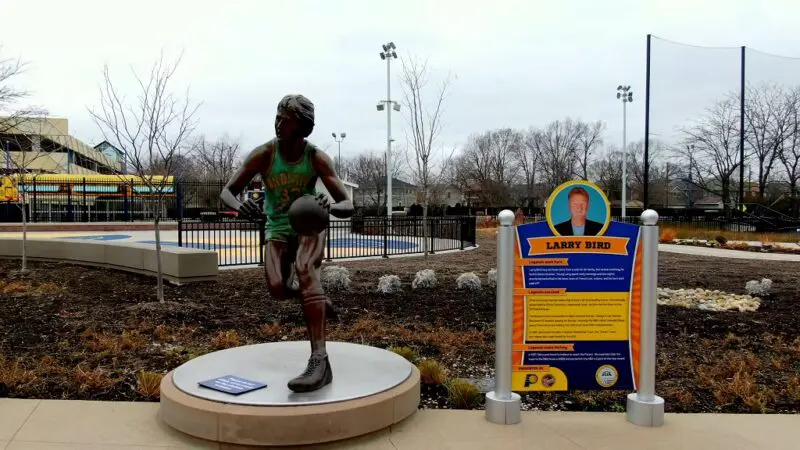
323, 166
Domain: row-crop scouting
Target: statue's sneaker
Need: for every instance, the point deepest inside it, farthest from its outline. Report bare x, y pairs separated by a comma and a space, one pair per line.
317, 375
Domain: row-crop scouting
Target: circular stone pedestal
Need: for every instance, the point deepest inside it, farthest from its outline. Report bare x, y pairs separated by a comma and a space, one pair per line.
371, 390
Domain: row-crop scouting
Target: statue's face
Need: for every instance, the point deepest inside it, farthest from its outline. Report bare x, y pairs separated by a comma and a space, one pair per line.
287, 126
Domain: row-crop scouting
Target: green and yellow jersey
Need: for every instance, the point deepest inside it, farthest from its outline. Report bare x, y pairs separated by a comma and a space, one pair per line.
284, 183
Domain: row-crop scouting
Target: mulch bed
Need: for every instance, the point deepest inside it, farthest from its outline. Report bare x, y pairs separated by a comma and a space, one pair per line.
72, 332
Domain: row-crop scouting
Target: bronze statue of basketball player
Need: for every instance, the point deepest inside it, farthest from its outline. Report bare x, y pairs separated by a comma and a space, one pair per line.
290, 166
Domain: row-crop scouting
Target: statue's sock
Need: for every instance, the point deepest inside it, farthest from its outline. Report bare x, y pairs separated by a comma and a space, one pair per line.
314, 309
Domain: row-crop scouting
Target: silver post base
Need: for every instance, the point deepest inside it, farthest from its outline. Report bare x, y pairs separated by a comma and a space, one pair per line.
645, 413
503, 412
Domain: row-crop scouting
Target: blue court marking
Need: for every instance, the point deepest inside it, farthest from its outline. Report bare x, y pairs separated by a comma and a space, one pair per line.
100, 237
200, 245
392, 244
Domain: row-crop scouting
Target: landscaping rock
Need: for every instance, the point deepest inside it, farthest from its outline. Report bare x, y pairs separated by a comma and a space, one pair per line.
707, 300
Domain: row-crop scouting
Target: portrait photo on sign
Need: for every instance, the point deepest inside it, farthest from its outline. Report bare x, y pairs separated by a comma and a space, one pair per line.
578, 208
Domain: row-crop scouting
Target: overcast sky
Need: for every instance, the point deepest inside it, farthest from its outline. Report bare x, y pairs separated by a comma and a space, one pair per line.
515, 63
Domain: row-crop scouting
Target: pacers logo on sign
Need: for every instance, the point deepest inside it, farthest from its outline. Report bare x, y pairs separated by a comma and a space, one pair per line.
606, 376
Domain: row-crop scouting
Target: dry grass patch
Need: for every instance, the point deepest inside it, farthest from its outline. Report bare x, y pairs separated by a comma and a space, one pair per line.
432, 372
408, 353
269, 331
462, 394
92, 379
148, 384
163, 334
793, 388
113, 344
226, 339
668, 235
733, 378
13, 373
448, 342
27, 288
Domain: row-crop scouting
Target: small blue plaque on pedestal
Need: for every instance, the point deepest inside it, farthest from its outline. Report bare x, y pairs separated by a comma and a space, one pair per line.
233, 385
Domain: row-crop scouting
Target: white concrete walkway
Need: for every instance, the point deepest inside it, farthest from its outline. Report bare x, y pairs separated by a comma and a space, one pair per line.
79, 425
724, 253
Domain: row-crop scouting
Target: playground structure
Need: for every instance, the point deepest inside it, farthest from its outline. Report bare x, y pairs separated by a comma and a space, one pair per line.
83, 198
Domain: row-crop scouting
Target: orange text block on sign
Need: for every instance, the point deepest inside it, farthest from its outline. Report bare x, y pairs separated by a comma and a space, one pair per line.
545, 348
540, 291
523, 262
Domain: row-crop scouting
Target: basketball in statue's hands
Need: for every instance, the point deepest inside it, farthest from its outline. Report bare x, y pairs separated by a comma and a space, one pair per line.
309, 214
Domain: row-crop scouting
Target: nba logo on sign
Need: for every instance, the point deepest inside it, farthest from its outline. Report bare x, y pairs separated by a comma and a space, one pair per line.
606, 376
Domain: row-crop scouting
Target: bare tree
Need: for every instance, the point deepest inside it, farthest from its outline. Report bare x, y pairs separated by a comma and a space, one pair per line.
368, 170
636, 165
767, 117
790, 151
528, 157
150, 130
559, 142
606, 171
458, 173
217, 160
12, 114
424, 117
18, 127
589, 139
712, 144
488, 164
23, 153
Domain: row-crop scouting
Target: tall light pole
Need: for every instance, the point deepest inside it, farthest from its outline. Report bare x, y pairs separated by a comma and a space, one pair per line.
339, 161
387, 54
626, 95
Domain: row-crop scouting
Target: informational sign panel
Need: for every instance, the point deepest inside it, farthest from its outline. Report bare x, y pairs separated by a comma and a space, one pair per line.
577, 296
233, 385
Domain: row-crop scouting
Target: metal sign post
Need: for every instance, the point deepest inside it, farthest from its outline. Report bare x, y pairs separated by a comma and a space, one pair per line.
503, 406
644, 408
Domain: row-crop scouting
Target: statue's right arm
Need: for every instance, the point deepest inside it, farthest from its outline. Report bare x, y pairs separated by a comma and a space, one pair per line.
249, 169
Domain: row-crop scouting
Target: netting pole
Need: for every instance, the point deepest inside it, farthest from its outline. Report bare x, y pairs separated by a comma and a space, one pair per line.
647, 128
741, 134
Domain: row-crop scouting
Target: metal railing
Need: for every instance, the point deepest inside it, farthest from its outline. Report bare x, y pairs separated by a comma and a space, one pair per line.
242, 242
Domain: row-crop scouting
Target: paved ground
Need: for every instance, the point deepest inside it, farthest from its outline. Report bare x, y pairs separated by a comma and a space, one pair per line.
723, 253
78, 425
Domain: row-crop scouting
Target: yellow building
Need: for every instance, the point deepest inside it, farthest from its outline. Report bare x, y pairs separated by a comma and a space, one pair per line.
44, 145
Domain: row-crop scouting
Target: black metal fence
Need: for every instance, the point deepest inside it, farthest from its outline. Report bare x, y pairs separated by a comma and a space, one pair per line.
240, 242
